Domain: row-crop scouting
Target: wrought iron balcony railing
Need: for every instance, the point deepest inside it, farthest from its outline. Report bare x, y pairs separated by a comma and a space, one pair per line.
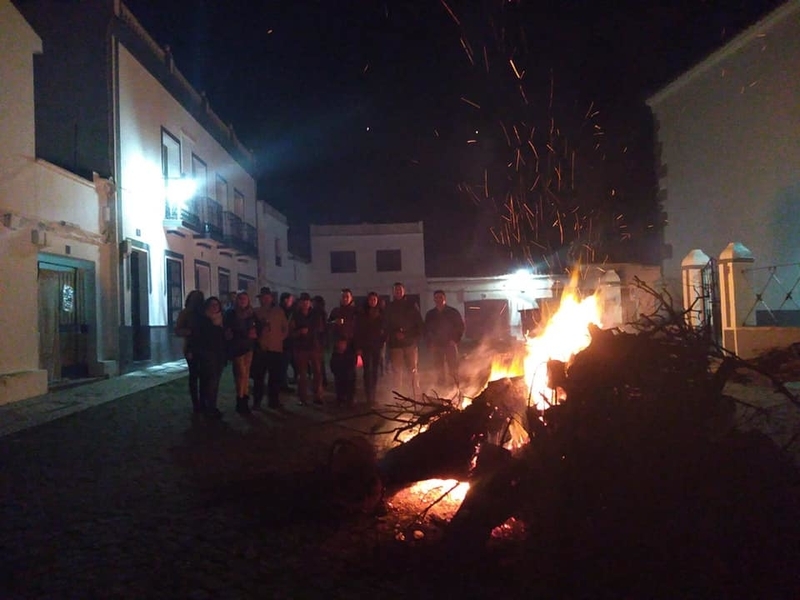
250, 240
239, 235
212, 219
188, 214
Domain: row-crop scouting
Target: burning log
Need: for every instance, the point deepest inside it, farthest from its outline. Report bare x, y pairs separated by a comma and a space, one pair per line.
633, 452
443, 451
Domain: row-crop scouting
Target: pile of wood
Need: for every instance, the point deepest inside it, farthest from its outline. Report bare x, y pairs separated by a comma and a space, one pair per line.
640, 478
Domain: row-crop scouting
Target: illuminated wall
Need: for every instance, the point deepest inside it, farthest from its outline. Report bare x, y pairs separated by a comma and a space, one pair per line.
48, 213
364, 241
278, 269
145, 107
729, 138
18, 368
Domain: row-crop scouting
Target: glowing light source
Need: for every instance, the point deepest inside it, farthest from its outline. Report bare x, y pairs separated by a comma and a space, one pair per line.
179, 191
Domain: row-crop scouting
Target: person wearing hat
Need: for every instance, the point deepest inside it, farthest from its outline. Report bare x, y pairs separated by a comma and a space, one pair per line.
342, 325
304, 331
273, 328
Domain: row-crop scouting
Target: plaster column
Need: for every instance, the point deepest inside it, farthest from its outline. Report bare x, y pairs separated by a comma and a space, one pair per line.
694, 298
736, 295
611, 295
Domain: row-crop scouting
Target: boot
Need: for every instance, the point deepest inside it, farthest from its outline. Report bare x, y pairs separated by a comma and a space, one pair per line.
241, 404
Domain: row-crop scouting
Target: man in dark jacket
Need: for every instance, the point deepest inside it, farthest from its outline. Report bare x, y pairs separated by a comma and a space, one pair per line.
342, 325
304, 329
444, 328
403, 326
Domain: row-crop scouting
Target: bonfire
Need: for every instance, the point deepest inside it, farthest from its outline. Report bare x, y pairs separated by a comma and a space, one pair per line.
610, 448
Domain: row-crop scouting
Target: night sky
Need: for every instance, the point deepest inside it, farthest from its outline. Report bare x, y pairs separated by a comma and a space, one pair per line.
516, 130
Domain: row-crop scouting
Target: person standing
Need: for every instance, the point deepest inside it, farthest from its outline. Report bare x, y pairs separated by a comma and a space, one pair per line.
342, 326
287, 305
304, 330
208, 348
403, 325
186, 326
444, 328
318, 304
241, 333
273, 328
369, 342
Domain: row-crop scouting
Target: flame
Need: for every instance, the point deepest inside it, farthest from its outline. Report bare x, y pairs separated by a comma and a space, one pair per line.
430, 489
566, 334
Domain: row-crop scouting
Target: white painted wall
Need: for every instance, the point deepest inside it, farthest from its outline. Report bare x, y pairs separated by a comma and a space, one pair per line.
144, 108
729, 132
291, 275
365, 239
19, 359
46, 211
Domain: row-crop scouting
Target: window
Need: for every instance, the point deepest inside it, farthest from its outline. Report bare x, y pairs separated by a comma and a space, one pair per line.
171, 171
222, 192
343, 261
170, 155
238, 203
388, 260
246, 284
224, 283
174, 289
202, 277
200, 176
278, 255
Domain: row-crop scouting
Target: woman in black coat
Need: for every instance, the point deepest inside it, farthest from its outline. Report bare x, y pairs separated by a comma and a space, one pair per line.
369, 339
209, 347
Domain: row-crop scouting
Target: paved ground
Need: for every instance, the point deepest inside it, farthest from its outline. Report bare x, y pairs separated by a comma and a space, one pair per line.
115, 490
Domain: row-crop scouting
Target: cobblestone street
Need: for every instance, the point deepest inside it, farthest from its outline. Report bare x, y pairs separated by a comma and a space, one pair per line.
138, 498
130, 495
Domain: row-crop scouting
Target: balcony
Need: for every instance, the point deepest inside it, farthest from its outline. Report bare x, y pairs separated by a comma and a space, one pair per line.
186, 215
212, 220
238, 235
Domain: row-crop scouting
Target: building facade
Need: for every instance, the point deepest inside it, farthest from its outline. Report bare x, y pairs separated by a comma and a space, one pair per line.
52, 240
182, 213
728, 134
279, 269
367, 257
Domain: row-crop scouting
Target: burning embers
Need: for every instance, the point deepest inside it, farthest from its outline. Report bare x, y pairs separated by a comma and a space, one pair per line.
522, 383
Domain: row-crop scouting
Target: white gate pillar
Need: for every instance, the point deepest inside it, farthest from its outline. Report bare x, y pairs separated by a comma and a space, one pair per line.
611, 295
694, 297
736, 295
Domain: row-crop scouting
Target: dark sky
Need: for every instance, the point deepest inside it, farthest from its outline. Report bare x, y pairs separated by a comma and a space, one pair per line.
386, 110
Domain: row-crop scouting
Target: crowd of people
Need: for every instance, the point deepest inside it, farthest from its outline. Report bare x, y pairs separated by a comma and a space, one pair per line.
263, 343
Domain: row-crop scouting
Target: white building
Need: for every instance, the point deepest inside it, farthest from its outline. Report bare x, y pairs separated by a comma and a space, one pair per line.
52, 240
371, 257
729, 139
183, 215
279, 269
366, 257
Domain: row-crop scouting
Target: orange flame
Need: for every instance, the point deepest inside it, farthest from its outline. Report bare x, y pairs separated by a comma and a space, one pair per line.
566, 334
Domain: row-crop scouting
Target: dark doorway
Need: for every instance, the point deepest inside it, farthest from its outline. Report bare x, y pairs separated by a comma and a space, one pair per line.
140, 313
64, 330
486, 319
